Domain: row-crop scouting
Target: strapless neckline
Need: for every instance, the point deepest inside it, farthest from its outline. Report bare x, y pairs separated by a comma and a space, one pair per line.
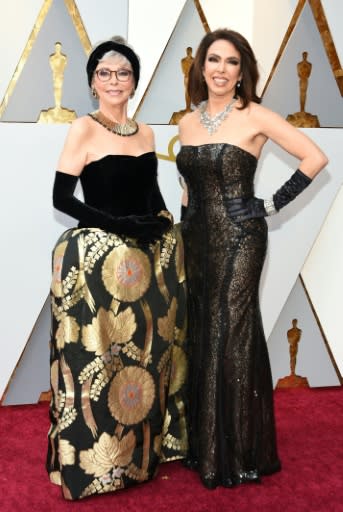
220, 144
116, 156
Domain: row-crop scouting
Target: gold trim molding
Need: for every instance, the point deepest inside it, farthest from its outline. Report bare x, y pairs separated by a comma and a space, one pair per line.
324, 30
22, 61
79, 27
327, 346
78, 24
12, 376
206, 28
202, 16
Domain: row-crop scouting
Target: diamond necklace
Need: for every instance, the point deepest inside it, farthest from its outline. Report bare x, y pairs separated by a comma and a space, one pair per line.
124, 130
212, 123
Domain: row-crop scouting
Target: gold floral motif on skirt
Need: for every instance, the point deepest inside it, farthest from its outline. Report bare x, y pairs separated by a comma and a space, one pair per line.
118, 363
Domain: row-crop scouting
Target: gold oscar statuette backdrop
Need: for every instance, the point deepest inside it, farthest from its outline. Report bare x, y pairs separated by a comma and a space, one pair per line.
293, 380
303, 119
186, 64
57, 114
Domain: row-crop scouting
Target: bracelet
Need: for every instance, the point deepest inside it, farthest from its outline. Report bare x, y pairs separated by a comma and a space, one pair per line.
269, 206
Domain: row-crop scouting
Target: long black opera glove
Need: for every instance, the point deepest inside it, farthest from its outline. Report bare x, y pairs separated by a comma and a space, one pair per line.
145, 228
157, 201
243, 208
183, 212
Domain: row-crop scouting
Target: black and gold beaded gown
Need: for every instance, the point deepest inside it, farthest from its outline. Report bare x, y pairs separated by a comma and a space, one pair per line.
118, 361
230, 410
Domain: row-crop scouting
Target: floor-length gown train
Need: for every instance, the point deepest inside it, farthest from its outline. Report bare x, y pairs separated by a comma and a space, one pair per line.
118, 363
230, 410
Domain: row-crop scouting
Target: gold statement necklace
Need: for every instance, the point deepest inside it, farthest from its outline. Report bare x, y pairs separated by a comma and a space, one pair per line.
124, 130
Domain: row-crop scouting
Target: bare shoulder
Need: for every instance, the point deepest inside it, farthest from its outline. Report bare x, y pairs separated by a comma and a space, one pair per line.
80, 127
147, 132
187, 126
74, 152
273, 126
263, 115
187, 120
145, 129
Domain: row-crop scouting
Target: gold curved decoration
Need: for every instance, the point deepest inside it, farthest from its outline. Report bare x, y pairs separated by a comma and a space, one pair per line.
171, 155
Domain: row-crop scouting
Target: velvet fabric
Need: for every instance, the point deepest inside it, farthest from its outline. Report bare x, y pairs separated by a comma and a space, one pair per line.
118, 333
117, 198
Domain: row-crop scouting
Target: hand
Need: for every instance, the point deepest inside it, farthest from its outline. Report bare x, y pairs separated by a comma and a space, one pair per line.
153, 229
145, 228
244, 208
183, 212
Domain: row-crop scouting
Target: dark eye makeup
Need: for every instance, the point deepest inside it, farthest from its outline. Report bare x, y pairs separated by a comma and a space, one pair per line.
231, 60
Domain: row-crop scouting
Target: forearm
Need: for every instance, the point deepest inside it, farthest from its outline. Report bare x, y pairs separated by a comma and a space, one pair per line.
312, 164
65, 201
157, 201
243, 208
290, 189
142, 227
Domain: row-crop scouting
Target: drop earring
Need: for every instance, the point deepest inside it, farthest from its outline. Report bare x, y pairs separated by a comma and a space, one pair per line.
95, 94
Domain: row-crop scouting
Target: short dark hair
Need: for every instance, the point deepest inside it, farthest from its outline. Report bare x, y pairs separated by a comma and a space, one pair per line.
112, 45
197, 87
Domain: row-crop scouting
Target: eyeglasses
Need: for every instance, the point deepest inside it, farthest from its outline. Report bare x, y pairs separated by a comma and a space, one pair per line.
122, 75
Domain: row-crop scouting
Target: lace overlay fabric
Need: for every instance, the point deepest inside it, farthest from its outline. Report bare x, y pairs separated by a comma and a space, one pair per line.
230, 410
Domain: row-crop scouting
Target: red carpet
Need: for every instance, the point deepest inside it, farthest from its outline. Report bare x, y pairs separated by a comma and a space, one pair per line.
310, 434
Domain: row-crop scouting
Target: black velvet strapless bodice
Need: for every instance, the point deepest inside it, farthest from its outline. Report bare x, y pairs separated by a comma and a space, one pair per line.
122, 184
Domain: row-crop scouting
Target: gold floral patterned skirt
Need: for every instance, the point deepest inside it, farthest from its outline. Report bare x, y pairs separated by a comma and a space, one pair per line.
118, 363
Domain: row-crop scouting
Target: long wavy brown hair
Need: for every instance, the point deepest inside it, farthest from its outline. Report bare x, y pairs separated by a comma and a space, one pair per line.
197, 87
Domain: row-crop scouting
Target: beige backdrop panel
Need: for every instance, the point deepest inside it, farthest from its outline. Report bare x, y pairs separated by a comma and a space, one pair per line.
29, 154
323, 277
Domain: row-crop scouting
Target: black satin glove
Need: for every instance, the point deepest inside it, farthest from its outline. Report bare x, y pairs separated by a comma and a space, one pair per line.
145, 228
243, 208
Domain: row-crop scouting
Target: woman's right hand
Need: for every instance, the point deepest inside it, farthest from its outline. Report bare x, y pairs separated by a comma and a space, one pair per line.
145, 228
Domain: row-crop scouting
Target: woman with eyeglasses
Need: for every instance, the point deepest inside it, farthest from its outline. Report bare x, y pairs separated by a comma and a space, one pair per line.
118, 327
